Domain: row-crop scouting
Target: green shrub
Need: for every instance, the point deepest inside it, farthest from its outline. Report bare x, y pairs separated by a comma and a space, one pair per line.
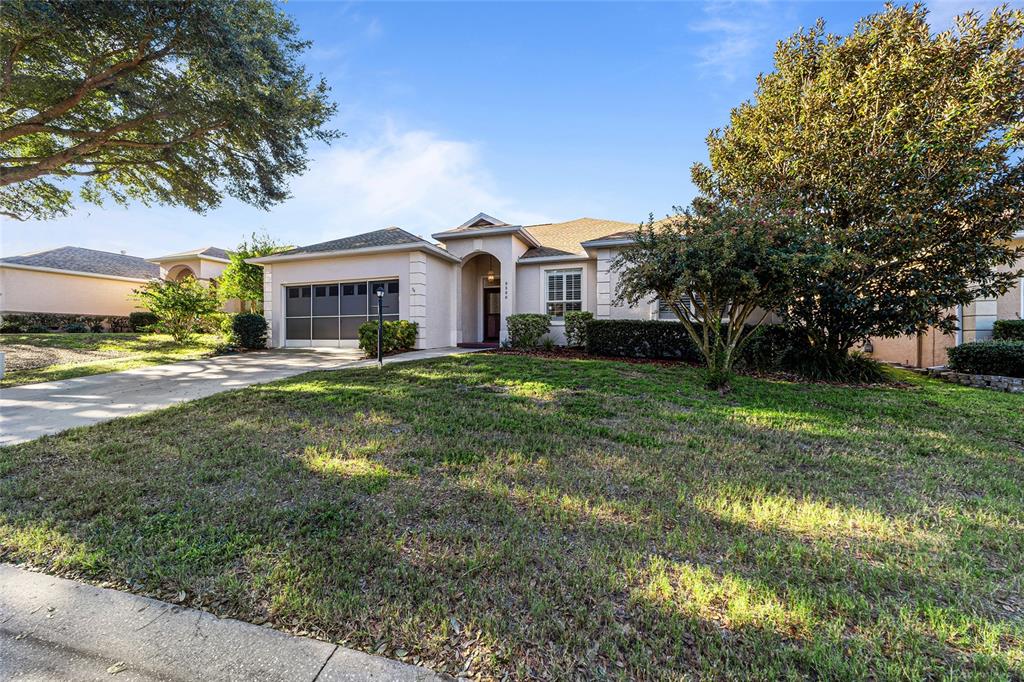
37, 329
399, 335
771, 347
525, 329
9, 327
1008, 330
854, 368
576, 327
182, 308
640, 339
1003, 358
141, 321
52, 321
249, 330
76, 328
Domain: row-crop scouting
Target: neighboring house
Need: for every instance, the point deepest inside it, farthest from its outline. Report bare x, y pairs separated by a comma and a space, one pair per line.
976, 322
459, 290
205, 264
72, 281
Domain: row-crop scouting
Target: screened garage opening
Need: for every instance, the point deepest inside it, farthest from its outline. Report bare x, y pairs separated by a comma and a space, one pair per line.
331, 314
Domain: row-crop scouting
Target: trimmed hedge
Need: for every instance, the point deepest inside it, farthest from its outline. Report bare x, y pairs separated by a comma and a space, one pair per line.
525, 329
1004, 358
140, 321
576, 327
26, 322
76, 328
399, 335
640, 339
1008, 330
249, 330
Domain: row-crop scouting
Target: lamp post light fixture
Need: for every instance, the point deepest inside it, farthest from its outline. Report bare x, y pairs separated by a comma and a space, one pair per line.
380, 328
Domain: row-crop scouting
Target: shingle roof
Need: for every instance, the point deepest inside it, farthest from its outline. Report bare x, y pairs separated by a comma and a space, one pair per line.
389, 236
77, 259
566, 238
214, 252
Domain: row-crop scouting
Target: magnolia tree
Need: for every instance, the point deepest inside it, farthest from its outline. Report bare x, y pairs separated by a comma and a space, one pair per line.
178, 102
181, 307
242, 280
721, 268
902, 149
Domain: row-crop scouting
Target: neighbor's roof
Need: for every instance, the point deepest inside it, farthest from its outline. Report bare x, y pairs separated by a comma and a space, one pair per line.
77, 259
204, 252
567, 239
389, 236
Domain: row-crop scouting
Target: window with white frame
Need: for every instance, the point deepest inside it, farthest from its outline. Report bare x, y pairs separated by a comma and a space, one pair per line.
564, 292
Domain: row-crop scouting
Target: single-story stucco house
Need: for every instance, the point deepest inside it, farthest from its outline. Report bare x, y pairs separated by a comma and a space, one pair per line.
73, 281
461, 288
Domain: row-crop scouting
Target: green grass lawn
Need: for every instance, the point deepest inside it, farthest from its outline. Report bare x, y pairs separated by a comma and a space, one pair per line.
32, 358
562, 518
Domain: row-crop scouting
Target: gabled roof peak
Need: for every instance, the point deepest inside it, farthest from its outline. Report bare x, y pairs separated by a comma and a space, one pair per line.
482, 220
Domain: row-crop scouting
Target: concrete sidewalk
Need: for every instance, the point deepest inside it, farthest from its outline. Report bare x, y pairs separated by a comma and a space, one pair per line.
28, 412
57, 629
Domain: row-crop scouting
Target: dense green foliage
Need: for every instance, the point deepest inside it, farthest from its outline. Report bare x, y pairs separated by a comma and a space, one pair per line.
902, 150
182, 308
399, 335
641, 339
524, 518
142, 320
721, 267
178, 102
1003, 358
526, 329
576, 327
76, 328
1008, 330
249, 330
242, 280
20, 322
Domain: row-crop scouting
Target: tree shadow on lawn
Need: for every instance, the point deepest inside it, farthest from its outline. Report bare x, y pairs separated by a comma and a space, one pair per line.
508, 512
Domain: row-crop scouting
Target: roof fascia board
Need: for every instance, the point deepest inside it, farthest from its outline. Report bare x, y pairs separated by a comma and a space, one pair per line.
77, 273
555, 259
598, 243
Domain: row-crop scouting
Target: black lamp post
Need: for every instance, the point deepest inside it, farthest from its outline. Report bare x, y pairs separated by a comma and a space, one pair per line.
380, 328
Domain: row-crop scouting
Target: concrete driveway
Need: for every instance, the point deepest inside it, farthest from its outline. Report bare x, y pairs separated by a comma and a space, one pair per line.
28, 412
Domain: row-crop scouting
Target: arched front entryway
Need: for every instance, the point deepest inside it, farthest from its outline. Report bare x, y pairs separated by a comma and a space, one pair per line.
481, 299
180, 273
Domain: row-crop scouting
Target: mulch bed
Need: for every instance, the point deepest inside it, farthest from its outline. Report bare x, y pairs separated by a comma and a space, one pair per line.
563, 353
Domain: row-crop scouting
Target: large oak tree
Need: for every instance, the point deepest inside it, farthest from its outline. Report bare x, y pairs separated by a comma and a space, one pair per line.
175, 101
903, 149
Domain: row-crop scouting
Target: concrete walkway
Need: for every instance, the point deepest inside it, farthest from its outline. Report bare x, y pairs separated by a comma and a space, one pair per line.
28, 412
57, 629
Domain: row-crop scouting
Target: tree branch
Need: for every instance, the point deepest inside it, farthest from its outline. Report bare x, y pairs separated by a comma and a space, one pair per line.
102, 79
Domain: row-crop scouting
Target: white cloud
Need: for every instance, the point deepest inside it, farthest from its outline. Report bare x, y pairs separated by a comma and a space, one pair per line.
416, 179
941, 13
736, 31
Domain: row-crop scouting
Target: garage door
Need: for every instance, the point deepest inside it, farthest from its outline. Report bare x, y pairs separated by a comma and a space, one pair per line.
331, 314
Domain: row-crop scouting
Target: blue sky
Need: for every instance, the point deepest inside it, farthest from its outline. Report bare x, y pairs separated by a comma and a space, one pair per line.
531, 112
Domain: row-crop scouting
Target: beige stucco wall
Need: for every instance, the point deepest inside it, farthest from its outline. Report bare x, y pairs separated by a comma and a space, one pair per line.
532, 295
426, 283
506, 250
32, 291
1010, 306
